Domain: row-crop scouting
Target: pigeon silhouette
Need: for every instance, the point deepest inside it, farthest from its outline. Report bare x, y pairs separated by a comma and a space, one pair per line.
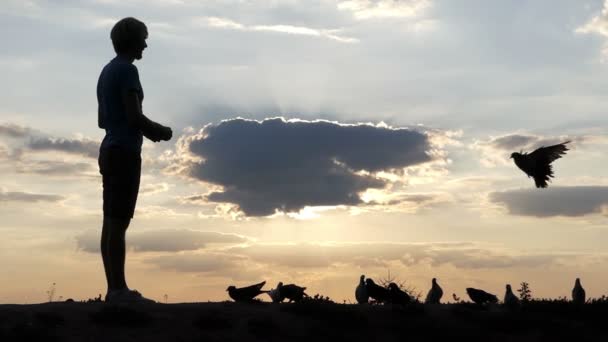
245, 294
377, 292
480, 296
361, 291
435, 293
510, 299
538, 163
274, 294
578, 292
292, 292
398, 296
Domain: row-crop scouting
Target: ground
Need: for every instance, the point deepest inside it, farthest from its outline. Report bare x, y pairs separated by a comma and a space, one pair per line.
227, 321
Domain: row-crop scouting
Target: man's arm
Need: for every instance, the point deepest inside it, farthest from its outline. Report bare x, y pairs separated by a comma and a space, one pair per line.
151, 130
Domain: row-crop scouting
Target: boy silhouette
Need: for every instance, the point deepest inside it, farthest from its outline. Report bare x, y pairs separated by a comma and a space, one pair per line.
119, 97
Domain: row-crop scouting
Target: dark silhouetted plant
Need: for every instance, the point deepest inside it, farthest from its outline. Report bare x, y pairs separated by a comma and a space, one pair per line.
525, 294
51, 293
410, 290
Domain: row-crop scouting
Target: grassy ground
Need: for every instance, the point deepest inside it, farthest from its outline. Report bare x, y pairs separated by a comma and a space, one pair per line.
226, 321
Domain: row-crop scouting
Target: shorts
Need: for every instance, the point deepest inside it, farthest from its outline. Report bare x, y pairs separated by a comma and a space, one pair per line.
121, 171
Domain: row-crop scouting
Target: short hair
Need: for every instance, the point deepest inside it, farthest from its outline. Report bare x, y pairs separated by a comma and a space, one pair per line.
126, 32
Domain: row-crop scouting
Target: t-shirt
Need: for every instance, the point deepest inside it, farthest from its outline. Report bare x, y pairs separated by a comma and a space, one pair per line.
117, 78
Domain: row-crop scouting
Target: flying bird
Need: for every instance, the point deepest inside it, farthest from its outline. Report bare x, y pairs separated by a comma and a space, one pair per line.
510, 299
377, 292
435, 293
245, 294
398, 296
292, 292
480, 296
538, 163
578, 292
361, 291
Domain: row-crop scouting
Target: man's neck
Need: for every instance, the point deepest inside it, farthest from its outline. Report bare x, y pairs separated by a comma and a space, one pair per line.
125, 57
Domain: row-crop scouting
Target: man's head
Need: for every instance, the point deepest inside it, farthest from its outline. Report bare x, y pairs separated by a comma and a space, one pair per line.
129, 37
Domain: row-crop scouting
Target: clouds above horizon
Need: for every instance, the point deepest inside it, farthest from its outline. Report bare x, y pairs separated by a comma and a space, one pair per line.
570, 201
19, 196
167, 240
286, 165
310, 257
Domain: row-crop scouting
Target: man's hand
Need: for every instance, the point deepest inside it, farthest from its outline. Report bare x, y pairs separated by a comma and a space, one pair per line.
166, 133
157, 132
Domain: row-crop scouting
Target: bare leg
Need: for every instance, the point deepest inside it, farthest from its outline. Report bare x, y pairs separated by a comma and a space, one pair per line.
105, 234
115, 250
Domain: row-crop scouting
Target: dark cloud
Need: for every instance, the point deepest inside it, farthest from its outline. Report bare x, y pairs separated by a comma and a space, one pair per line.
512, 142
162, 240
85, 147
286, 165
28, 197
555, 201
14, 131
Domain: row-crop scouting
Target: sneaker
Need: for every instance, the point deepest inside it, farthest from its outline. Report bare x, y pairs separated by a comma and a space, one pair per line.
127, 296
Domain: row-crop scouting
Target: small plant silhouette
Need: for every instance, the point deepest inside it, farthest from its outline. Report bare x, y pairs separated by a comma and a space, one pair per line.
525, 294
456, 298
317, 299
410, 290
166, 297
51, 292
94, 300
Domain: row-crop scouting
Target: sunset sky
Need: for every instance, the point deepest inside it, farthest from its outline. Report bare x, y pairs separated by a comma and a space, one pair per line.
314, 141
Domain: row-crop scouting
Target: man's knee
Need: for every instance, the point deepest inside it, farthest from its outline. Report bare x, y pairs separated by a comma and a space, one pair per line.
116, 223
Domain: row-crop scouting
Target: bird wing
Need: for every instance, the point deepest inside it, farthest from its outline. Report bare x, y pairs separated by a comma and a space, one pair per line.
538, 163
550, 153
252, 290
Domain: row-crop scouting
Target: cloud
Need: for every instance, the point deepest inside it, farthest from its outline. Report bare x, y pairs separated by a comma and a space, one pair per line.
598, 24
14, 131
85, 147
153, 188
286, 165
380, 9
224, 23
197, 262
52, 168
17, 196
168, 240
573, 201
464, 255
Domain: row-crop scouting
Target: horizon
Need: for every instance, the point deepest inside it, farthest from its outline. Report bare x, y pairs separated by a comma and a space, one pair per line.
313, 141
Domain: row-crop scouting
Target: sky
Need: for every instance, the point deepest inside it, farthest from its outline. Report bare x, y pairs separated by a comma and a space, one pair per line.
314, 141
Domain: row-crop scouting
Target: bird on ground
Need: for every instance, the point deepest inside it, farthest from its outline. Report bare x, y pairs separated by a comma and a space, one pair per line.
377, 292
435, 293
361, 291
480, 296
510, 299
578, 292
245, 294
292, 292
538, 163
398, 296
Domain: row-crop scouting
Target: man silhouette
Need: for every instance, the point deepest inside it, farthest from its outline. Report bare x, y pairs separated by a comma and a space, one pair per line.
119, 96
